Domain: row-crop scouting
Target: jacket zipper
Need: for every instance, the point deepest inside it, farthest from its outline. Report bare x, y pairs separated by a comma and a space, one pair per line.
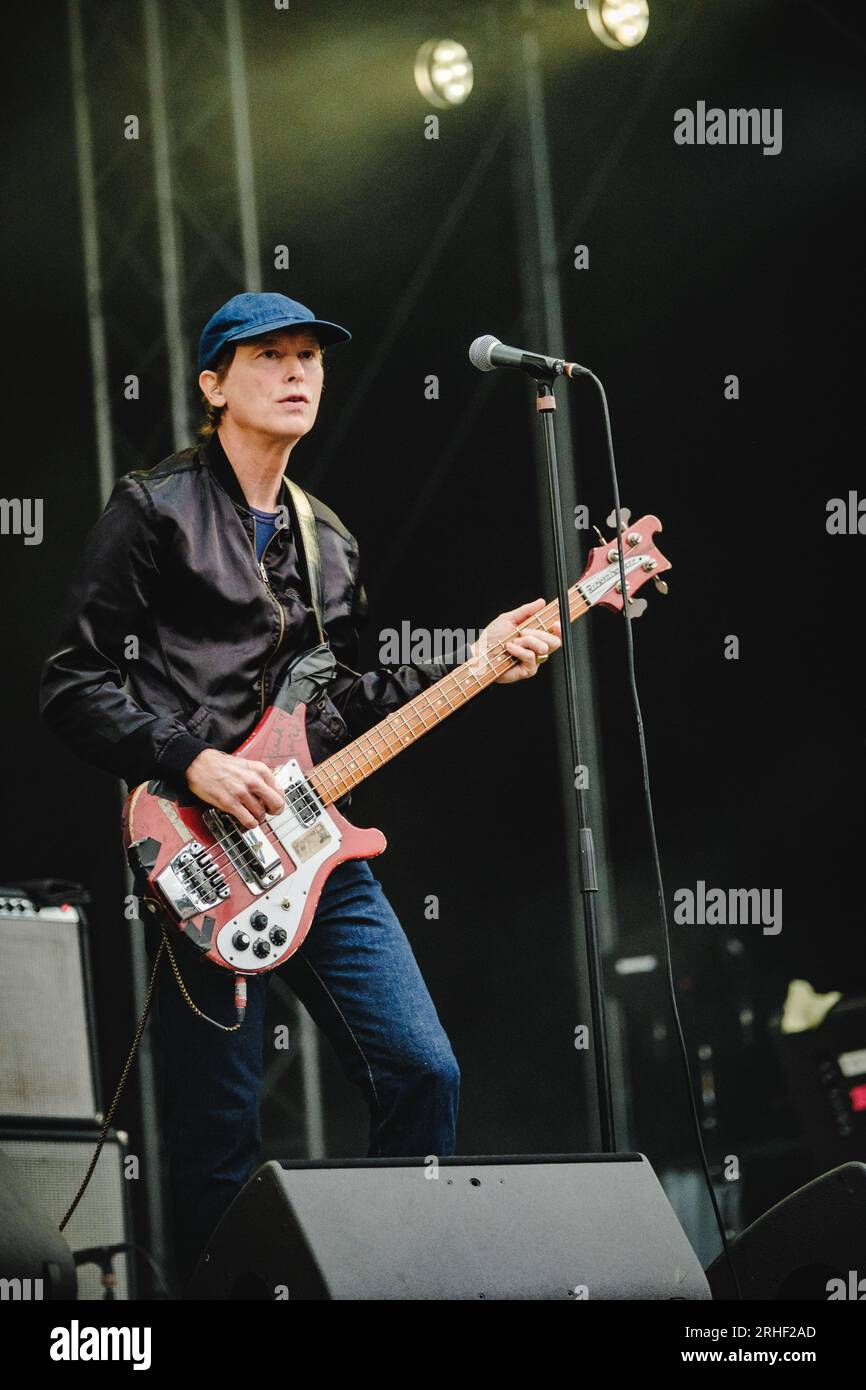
279, 608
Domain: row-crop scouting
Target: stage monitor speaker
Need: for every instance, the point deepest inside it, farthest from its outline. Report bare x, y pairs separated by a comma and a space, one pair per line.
48, 1060
561, 1226
49, 1166
815, 1235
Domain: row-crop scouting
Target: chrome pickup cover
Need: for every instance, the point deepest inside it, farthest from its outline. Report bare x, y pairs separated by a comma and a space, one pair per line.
256, 859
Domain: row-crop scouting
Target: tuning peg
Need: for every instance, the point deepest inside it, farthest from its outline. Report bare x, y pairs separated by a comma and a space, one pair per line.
625, 514
636, 606
601, 538
660, 584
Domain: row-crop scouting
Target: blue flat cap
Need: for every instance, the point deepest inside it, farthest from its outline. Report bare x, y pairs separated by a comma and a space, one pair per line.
248, 315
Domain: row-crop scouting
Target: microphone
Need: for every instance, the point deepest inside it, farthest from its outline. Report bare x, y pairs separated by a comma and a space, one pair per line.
488, 353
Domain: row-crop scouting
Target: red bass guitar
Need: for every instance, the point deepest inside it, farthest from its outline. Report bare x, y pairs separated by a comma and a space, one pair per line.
246, 898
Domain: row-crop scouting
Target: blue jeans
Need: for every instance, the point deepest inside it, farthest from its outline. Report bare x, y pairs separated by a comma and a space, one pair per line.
358, 979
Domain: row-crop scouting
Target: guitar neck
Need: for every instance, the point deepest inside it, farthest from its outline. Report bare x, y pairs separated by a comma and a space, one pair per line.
349, 766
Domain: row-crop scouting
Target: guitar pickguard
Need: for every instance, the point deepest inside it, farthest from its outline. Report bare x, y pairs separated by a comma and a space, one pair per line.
310, 836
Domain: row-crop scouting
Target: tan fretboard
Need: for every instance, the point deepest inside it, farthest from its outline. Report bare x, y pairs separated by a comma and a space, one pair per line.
341, 772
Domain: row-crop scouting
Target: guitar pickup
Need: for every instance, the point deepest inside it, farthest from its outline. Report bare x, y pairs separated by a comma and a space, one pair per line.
303, 802
250, 852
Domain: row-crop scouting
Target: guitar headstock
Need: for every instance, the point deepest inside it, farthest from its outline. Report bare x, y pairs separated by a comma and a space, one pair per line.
600, 581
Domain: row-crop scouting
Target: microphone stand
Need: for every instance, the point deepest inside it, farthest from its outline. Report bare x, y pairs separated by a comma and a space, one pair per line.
546, 407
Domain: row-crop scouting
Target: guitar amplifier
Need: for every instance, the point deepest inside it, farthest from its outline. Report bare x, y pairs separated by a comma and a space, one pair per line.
48, 1165
48, 1060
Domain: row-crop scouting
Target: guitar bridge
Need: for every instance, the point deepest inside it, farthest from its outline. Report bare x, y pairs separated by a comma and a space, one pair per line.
191, 882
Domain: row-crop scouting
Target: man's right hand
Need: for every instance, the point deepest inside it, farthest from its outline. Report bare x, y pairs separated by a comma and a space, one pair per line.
246, 789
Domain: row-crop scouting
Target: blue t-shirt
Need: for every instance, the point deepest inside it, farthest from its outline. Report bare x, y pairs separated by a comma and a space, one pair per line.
266, 525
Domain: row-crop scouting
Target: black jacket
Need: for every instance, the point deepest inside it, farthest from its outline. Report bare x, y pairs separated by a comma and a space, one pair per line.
175, 642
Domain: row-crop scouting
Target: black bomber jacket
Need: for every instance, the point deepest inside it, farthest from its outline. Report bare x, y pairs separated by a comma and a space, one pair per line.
176, 637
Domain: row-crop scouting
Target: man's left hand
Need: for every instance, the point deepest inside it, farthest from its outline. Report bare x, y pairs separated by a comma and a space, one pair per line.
531, 648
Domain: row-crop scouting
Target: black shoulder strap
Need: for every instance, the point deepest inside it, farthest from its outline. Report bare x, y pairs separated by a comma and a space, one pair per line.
308, 544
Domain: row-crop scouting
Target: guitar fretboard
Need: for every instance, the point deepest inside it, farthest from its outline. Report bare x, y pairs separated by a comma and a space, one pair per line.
344, 770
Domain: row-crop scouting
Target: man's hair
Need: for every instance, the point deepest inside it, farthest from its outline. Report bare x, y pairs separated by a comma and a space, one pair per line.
214, 413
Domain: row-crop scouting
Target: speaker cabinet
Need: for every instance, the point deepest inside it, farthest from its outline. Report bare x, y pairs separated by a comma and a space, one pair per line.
36, 1263
815, 1235
565, 1226
48, 1167
47, 1062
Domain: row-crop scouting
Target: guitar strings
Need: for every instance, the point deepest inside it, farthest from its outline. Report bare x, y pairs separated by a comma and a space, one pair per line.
537, 621
342, 783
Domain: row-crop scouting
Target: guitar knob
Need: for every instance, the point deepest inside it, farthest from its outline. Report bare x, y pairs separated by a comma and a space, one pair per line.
240, 941
261, 947
258, 921
278, 936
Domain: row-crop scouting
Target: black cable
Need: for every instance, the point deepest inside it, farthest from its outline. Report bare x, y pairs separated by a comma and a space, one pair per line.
103, 1133
663, 915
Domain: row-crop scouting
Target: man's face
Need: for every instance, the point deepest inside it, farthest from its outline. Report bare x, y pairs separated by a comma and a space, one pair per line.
274, 383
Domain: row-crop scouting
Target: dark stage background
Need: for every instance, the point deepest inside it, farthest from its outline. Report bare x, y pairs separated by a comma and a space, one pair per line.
703, 262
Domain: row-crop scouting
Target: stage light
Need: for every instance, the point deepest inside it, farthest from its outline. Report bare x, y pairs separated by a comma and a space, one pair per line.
619, 23
443, 72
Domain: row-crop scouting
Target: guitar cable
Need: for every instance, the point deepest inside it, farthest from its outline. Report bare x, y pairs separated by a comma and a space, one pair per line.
148, 1000
663, 915
240, 1002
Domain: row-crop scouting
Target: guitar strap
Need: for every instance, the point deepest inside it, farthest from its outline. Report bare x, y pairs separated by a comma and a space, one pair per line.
308, 549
